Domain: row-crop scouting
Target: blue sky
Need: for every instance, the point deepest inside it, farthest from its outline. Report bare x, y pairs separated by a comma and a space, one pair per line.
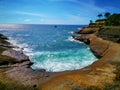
54, 11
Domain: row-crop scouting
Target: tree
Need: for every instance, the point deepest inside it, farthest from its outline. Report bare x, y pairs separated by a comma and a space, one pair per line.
99, 16
107, 14
113, 20
91, 21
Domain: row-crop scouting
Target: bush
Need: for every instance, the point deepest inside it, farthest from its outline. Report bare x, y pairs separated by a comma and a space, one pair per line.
113, 20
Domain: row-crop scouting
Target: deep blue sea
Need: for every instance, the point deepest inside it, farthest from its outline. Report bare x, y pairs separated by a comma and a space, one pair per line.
50, 47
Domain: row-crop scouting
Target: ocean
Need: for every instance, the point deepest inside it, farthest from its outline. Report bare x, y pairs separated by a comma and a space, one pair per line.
50, 47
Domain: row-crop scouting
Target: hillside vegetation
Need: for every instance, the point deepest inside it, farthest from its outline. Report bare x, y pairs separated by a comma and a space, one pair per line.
109, 26
107, 20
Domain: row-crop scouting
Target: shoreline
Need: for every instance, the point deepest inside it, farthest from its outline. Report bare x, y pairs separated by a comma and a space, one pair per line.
97, 75
59, 67
102, 74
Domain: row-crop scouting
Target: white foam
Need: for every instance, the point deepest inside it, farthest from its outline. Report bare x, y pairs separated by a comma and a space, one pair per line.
37, 53
78, 28
70, 39
54, 41
15, 43
60, 66
12, 41
23, 46
23, 35
56, 66
73, 40
27, 50
72, 32
52, 63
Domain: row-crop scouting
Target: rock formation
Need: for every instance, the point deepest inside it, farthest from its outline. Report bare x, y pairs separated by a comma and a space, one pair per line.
18, 55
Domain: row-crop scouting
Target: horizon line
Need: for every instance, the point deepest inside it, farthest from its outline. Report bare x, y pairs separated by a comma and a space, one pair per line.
38, 24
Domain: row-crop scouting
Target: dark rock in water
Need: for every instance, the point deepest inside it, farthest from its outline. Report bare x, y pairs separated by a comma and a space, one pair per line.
73, 36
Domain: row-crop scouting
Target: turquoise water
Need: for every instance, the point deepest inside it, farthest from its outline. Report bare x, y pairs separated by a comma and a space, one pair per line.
50, 47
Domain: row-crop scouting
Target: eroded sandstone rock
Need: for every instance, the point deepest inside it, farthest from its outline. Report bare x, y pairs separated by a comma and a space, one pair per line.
18, 55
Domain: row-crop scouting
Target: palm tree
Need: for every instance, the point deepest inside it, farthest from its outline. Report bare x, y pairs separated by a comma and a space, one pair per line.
99, 16
107, 14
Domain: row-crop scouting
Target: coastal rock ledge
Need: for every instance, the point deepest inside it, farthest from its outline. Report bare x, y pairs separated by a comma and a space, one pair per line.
103, 74
18, 55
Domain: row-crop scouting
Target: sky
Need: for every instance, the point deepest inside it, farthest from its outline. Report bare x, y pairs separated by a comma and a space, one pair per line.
54, 11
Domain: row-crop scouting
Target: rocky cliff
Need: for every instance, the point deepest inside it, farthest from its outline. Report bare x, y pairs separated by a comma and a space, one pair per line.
15, 71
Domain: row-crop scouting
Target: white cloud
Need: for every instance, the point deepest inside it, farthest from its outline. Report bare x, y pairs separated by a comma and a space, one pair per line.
77, 19
85, 11
30, 13
68, 19
75, 1
87, 5
27, 20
